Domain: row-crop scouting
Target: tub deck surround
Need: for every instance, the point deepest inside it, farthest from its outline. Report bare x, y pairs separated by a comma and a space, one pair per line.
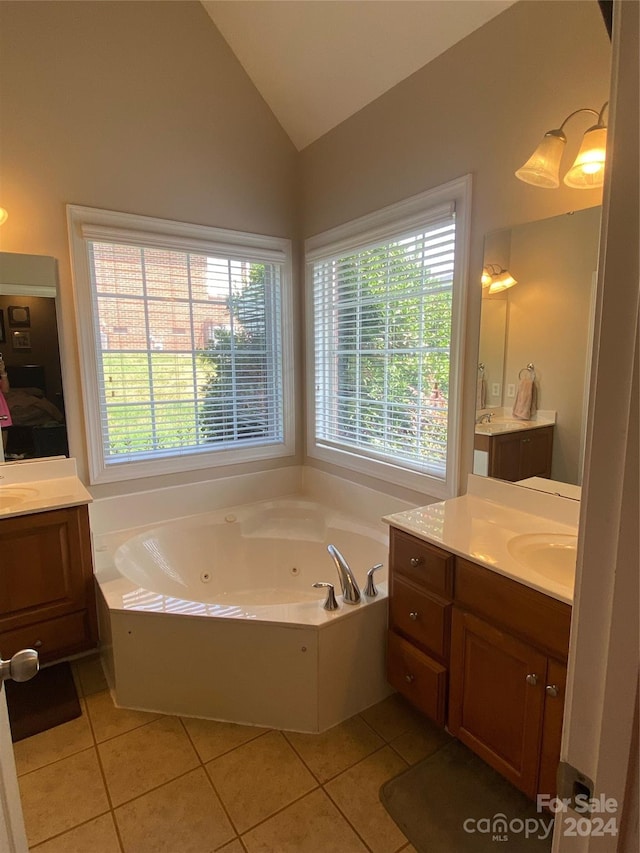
215, 616
480, 524
40, 485
253, 561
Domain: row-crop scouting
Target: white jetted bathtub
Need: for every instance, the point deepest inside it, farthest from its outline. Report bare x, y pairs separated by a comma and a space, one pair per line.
215, 615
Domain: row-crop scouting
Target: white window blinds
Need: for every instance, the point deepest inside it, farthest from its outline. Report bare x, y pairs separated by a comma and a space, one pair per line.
188, 348
382, 344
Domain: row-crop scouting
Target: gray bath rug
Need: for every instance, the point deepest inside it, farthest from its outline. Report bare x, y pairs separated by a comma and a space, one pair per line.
452, 802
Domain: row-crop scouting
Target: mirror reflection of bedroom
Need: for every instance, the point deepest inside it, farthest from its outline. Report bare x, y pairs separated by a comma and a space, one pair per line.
30, 351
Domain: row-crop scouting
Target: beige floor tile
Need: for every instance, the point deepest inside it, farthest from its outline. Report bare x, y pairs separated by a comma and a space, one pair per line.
356, 791
89, 675
59, 796
53, 744
212, 739
258, 778
312, 825
97, 836
415, 745
109, 721
145, 758
232, 847
184, 815
331, 752
393, 717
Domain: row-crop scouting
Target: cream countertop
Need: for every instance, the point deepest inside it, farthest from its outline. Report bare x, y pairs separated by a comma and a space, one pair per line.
502, 421
40, 485
479, 525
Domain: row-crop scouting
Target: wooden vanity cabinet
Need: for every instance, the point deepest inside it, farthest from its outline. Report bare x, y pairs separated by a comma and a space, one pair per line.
421, 582
509, 645
480, 653
518, 455
47, 598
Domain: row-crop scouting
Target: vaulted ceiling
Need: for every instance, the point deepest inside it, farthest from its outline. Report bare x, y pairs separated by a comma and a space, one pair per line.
317, 62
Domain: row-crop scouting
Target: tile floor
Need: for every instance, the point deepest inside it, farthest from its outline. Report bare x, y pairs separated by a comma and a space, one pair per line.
117, 781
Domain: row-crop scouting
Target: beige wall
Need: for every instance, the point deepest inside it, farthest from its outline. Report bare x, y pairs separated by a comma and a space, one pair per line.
136, 107
554, 261
141, 107
481, 108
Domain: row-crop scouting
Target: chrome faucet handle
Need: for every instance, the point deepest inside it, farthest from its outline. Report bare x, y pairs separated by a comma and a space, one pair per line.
371, 590
330, 603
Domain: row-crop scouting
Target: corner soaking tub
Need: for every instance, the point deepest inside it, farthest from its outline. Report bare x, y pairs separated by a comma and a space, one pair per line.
215, 616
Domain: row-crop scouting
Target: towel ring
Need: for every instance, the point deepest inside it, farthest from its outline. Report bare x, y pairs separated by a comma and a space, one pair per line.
529, 368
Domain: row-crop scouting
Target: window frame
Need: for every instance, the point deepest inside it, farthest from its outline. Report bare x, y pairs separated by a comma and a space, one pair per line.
85, 224
387, 223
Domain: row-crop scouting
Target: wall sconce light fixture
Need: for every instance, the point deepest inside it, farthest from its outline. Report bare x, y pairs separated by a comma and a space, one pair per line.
3, 215
542, 169
496, 278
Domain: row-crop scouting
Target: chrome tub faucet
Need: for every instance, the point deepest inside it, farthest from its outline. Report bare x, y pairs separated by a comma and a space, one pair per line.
348, 584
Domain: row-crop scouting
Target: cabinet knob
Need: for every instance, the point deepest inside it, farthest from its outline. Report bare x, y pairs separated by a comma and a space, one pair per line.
552, 690
37, 644
409, 678
416, 561
413, 615
532, 679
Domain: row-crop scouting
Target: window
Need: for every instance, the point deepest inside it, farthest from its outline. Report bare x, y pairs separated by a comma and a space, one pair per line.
184, 347
387, 294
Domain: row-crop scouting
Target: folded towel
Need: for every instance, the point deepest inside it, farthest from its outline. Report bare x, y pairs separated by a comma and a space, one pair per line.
481, 393
524, 407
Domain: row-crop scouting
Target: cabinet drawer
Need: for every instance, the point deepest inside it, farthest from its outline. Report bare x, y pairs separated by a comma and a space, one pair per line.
422, 617
51, 638
418, 677
526, 612
425, 564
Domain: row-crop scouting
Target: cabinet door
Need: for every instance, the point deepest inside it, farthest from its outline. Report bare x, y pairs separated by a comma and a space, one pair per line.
47, 598
504, 457
555, 684
496, 698
536, 450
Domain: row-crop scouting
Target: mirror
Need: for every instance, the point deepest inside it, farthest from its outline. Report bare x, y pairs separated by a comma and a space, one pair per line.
545, 320
30, 350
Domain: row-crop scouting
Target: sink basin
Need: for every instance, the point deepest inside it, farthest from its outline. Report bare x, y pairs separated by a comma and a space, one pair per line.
496, 427
11, 496
552, 555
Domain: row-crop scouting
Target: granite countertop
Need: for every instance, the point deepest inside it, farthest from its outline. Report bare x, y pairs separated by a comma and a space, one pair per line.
40, 485
485, 524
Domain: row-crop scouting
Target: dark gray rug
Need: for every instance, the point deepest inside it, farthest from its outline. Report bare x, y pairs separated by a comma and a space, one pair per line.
48, 700
452, 802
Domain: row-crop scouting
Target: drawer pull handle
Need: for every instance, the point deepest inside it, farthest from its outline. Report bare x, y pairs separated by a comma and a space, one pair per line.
552, 690
532, 679
37, 644
413, 615
409, 678
416, 561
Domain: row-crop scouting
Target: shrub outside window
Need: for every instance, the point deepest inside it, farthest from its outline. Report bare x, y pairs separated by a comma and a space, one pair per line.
387, 294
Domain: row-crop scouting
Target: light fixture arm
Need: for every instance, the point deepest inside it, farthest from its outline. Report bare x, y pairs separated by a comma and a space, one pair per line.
587, 110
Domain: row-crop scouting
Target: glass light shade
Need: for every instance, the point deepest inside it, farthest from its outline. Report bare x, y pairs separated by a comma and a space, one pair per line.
503, 281
486, 279
542, 169
588, 168
3, 215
